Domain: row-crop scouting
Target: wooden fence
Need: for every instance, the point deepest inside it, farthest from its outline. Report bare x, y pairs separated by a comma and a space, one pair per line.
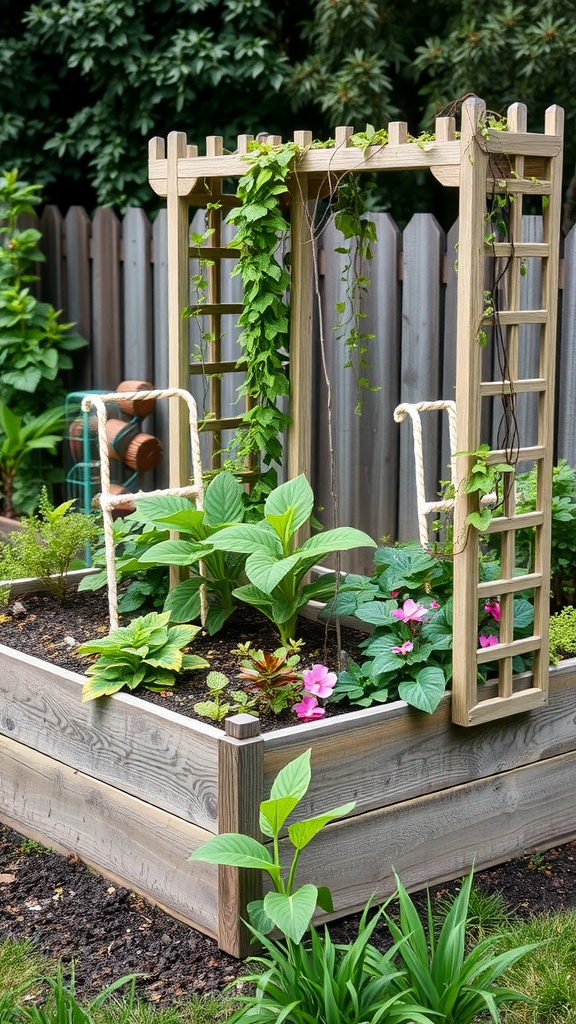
109, 276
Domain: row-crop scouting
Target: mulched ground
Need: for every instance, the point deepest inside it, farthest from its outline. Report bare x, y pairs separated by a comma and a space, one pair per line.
68, 911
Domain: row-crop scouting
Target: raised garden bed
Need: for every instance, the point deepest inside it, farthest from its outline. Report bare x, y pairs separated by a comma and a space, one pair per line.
133, 789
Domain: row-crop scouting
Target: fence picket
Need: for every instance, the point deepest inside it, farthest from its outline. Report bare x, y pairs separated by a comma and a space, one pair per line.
119, 301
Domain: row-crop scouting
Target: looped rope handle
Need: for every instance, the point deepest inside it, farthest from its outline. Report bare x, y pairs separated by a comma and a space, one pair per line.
108, 501
413, 410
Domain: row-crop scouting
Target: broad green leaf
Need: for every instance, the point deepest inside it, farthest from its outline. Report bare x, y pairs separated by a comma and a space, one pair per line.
376, 612
223, 500
236, 850
273, 814
426, 691
341, 539
173, 552
324, 899
266, 570
292, 914
296, 494
100, 686
186, 520
184, 601
247, 538
293, 780
258, 917
282, 525
301, 832
192, 662
148, 510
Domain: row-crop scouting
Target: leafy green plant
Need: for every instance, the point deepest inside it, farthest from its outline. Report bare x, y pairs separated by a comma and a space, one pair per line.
455, 985
275, 566
409, 603
49, 544
272, 678
563, 634
223, 505
19, 441
563, 542
222, 703
484, 481
286, 908
146, 653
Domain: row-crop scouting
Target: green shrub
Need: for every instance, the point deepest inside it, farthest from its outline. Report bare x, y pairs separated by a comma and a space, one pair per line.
563, 634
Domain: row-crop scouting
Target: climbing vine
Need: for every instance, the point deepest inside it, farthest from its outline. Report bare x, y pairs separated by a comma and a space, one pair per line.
264, 320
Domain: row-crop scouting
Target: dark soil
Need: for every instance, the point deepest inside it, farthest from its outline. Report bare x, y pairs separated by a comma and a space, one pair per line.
70, 912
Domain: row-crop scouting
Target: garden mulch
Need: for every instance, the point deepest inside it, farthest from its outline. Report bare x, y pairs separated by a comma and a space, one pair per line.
69, 911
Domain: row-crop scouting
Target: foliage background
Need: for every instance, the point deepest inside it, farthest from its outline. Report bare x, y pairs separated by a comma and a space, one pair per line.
87, 82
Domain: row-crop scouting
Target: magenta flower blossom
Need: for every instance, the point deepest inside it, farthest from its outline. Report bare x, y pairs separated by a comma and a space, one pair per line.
488, 641
406, 648
319, 681
410, 611
394, 593
434, 604
493, 609
308, 708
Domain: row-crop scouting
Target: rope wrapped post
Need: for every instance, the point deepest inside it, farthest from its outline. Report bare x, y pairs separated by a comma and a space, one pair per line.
108, 501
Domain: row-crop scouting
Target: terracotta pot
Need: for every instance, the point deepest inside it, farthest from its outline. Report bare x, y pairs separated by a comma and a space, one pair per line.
136, 406
119, 511
120, 434
143, 453
76, 439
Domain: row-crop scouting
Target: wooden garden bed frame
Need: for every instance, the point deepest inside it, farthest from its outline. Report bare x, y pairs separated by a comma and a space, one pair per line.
133, 789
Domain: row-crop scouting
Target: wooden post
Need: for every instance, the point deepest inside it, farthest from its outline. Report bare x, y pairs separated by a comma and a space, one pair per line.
473, 164
240, 780
178, 289
302, 273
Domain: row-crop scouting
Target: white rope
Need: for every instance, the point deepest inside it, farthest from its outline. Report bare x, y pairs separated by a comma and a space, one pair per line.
109, 501
413, 410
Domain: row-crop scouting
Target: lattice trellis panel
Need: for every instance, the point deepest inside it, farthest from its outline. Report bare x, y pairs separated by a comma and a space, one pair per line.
514, 164
481, 163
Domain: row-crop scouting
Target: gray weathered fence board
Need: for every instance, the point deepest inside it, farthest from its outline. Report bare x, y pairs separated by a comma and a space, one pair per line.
117, 295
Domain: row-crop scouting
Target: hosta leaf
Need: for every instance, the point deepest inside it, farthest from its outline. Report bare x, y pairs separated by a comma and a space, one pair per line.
296, 494
223, 500
292, 914
341, 539
191, 662
173, 552
148, 510
258, 917
247, 538
184, 601
266, 570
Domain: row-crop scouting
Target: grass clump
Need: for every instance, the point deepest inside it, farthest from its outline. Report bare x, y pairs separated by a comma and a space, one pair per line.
548, 975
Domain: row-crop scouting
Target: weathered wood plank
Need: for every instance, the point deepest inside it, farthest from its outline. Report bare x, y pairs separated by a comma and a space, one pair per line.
136, 235
566, 435
433, 838
125, 839
160, 337
78, 308
107, 350
52, 277
423, 242
399, 754
138, 747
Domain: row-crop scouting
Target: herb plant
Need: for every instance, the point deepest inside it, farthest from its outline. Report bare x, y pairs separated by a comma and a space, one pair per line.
48, 546
146, 653
220, 703
287, 908
276, 566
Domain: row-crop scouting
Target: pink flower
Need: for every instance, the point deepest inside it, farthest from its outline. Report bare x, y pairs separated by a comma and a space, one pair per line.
394, 593
488, 641
319, 681
434, 604
493, 609
410, 611
308, 708
406, 647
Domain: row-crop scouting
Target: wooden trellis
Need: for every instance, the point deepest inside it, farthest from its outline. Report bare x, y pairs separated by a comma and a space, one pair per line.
482, 163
